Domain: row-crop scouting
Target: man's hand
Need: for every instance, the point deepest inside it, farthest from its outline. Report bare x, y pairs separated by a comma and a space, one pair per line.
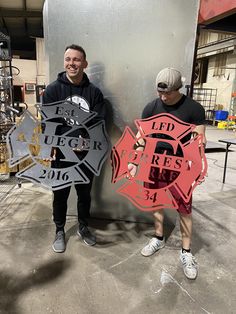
80, 146
52, 157
132, 168
202, 179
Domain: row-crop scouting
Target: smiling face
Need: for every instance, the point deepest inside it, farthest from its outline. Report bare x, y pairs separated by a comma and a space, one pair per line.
74, 64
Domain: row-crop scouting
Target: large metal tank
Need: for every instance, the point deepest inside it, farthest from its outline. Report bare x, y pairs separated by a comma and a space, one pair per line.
127, 42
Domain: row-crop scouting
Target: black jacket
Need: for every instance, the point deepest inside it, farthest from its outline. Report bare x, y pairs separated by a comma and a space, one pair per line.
62, 89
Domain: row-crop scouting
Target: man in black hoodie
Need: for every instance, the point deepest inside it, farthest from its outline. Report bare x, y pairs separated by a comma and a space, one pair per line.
72, 85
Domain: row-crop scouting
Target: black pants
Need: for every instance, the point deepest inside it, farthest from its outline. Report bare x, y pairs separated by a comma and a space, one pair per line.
83, 204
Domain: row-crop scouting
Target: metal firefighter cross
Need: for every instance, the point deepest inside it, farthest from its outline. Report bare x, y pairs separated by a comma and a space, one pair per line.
63, 129
171, 162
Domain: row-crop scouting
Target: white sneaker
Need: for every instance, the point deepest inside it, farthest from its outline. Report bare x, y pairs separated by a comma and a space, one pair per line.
153, 246
189, 265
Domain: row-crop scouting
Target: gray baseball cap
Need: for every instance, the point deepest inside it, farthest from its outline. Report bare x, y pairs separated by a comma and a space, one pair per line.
168, 79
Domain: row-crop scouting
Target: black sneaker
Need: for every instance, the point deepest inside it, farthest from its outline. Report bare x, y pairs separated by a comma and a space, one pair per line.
86, 235
59, 244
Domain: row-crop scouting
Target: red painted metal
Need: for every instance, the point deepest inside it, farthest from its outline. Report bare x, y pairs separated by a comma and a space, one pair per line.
188, 168
213, 10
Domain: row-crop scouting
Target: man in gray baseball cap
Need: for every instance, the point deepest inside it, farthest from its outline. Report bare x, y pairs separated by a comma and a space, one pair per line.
170, 100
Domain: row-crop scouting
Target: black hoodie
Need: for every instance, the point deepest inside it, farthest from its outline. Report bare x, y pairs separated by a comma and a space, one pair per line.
62, 89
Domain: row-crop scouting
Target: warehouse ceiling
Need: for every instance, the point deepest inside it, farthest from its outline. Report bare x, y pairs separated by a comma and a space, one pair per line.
22, 21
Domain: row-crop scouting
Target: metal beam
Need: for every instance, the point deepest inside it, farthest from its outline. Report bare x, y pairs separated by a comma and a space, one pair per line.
20, 13
216, 47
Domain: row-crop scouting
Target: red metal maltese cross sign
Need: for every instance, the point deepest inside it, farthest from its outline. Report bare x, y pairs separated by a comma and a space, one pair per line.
171, 161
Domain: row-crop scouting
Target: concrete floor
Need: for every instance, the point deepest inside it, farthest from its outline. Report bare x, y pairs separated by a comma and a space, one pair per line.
113, 277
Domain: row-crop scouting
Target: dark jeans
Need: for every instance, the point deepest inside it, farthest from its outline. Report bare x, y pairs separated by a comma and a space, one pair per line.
83, 203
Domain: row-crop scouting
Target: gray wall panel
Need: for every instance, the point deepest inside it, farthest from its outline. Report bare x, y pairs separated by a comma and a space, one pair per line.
127, 43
